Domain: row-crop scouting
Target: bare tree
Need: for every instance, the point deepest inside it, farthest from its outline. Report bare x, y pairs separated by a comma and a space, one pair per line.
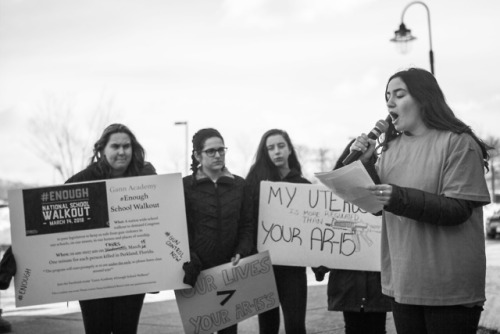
325, 159
245, 148
60, 136
304, 155
315, 160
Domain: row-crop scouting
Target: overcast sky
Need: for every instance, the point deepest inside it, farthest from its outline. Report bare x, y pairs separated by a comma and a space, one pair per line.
316, 68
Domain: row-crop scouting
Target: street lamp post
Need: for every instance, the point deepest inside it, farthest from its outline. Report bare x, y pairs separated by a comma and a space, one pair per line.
185, 123
403, 35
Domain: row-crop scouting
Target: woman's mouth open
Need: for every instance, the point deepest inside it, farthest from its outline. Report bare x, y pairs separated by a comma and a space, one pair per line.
394, 116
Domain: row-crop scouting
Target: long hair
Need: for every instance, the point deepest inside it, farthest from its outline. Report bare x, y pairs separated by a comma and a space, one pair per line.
199, 139
435, 112
138, 153
263, 168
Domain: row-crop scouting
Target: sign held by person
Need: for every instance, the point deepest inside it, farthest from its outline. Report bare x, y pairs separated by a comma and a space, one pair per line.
227, 294
98, 239
308, 225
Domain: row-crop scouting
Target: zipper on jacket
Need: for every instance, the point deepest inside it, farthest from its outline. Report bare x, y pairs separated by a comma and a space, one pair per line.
219, 223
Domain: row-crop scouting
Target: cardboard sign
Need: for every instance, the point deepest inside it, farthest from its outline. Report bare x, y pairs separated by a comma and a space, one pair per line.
98, 239
227, 294
308, 225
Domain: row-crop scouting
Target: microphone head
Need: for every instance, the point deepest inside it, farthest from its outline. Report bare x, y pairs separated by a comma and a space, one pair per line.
382, 126
379, 128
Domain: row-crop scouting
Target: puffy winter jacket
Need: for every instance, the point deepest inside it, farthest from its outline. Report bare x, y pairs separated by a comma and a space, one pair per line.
219, 217
95, 172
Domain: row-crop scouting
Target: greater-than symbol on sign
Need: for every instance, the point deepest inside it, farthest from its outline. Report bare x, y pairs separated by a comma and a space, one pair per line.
229, 294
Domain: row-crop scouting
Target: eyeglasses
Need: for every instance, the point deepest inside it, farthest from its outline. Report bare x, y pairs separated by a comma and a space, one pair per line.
211, 151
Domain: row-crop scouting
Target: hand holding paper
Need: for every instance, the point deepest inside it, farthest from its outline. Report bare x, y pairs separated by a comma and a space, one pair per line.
382, 192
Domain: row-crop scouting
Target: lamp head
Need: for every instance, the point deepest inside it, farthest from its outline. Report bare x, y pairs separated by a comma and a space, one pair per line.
402, 36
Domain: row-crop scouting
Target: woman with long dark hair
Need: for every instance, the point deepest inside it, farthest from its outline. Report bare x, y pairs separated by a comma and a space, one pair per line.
276, 160
432, 188
116, 154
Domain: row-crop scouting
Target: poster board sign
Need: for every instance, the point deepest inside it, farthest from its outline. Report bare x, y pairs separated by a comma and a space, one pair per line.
98, 239
308, 225
227, 294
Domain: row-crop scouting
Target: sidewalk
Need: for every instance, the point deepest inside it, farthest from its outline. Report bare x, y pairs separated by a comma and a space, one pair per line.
162, 317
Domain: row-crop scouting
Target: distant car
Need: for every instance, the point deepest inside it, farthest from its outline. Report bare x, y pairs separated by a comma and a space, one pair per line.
493, 225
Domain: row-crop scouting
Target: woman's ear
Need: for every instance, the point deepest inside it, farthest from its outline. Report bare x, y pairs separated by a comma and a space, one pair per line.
197, 156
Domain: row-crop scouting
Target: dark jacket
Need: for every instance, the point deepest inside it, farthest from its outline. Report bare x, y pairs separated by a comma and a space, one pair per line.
219, 217
294, 177
8, 269
95, 172
354, 290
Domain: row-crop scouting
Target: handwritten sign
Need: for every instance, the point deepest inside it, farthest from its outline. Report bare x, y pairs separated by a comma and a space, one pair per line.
308, 225
98, 239
227, 294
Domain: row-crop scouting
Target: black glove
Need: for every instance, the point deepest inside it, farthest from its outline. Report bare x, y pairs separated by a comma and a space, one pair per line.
320, 272
8, 269
191, 271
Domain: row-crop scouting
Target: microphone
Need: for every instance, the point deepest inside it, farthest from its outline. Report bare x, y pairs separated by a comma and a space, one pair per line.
380, 127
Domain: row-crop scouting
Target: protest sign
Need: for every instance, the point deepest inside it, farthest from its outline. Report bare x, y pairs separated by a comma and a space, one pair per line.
227, 294
308, 225
98, 239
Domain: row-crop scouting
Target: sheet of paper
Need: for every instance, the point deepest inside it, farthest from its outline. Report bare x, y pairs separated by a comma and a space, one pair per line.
350, 183
98, 239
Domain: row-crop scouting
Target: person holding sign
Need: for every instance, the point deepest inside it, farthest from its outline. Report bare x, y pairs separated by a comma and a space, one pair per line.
276, 160
218, 210
358, 294
432, 187
117, 153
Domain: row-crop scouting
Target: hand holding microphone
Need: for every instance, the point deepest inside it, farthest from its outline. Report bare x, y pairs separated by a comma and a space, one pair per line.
366, 143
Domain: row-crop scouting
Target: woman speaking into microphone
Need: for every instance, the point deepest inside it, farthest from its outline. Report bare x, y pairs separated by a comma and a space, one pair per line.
432, 187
